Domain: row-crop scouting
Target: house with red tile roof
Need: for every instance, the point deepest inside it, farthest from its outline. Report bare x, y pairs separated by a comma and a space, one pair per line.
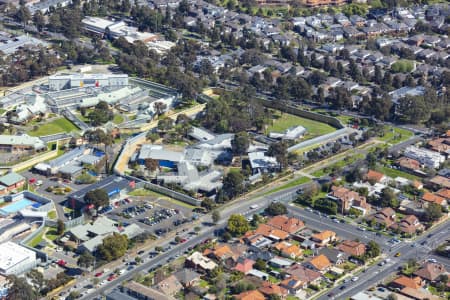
320, 263
431, 271
307, 276
293, 285
434, 198
374, 176
289, 225
347, 199
324, 238
250, 295
288, 250
244, 266
385, 217
408, 164
444, 193
441, 145
271, 233
269, 289
353, 248
410, 225
403, 281
220, 252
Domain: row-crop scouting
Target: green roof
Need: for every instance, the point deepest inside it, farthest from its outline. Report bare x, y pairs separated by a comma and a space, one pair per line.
11, 179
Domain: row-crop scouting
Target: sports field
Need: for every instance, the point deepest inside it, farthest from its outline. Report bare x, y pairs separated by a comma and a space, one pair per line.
56, 126
283, 121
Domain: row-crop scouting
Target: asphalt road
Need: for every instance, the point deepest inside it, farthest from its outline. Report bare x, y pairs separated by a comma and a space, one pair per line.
239, 207
376, 274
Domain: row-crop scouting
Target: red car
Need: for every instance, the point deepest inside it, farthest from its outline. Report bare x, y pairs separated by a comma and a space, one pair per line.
183, 240
61, 262
112, 277
98, 274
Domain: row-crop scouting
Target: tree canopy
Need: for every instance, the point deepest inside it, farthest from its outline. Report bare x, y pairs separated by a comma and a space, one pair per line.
97, 197
237, 225
113, 247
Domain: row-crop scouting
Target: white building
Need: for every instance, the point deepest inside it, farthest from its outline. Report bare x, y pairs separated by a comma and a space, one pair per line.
70, 81
428, 158
15, 259
96, 25
292, 133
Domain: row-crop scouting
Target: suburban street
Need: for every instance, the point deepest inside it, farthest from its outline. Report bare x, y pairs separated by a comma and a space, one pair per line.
376, 273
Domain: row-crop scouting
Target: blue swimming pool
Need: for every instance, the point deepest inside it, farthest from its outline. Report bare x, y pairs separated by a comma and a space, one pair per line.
15, 206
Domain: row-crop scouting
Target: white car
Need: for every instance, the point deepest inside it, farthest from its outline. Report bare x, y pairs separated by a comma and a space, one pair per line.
355, 278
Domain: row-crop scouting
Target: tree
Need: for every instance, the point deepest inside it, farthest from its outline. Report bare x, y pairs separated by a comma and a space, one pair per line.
391, 297
433, 212
388, 198
279, 151
233, 184
39, 20
260, 264
151, 164
113, 247
276, 208
208, 203
61, 227
23, 14
159, 107
101, 114
215, 216
373, 249
97, 197
86, 260
237, 225
19, 289
240, 143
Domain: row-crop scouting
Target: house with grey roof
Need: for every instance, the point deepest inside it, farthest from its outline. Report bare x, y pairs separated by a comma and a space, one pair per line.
12, 181
21, 143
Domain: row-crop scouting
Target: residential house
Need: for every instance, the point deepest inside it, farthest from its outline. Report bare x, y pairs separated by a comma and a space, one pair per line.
408, 164
440, 181
347, 199
304, 274
169, 286
324, 238
250, 295
441, 145
12, 181
418, 294
220, 252
444, 193
335, 256
403, 281
319, 263
308, 244
269, 289
375, 177
352, 248
410, 225
288, 250
428, 197
271, 233
385, 217
199, 262
292, 284
431, 271
244, 265
290, 225
187, 277
279, 262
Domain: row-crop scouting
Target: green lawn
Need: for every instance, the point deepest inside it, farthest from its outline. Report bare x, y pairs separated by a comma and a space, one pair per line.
291, 184
37, 239
340, 164
145, 192
56, 126
397, 173
395, 135
118, 119
51, 214
314, 128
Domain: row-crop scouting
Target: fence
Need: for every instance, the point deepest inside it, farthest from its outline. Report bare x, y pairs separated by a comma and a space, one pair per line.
31, 162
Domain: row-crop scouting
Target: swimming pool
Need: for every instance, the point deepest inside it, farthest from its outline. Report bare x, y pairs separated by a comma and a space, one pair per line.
15, 206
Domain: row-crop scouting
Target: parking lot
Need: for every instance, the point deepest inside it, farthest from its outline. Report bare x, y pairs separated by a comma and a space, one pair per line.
156, 215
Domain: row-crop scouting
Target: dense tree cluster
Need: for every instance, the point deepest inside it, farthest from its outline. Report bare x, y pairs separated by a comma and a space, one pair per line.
113, 247
97, 197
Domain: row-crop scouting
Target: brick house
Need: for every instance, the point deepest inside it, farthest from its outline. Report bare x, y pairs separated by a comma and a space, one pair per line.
353, 248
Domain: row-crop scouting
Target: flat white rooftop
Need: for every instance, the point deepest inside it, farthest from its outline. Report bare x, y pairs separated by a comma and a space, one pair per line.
12, 254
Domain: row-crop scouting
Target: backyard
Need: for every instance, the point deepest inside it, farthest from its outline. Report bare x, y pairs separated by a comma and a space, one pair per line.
56, 126
283, 121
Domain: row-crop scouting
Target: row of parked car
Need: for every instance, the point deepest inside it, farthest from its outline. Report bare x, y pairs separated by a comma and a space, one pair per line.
159, 216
